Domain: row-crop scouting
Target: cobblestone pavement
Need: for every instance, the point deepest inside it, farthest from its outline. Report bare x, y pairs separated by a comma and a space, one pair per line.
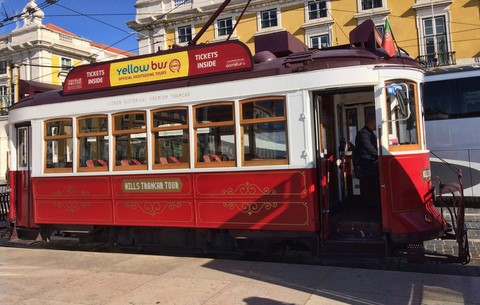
472, 220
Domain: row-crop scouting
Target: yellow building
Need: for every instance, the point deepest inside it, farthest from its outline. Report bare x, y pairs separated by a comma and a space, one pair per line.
436, 32
36, 57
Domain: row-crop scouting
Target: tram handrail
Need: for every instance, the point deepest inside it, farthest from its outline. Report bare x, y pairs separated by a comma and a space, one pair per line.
456, 210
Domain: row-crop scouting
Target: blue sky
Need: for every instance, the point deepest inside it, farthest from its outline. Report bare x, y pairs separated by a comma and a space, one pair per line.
106, 22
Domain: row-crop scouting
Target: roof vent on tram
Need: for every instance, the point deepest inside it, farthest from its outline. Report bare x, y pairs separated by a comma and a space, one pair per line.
279, 44
263, 56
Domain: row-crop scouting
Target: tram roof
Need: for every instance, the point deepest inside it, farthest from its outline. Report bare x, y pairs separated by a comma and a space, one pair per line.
363, 50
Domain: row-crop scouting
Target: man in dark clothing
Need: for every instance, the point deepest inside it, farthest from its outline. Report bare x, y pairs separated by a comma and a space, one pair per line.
366, 146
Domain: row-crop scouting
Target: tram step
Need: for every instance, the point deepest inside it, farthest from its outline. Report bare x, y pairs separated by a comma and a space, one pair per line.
355, 229
353, 247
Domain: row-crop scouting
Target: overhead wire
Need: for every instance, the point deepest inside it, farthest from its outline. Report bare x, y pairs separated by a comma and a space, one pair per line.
20, 16
172, 12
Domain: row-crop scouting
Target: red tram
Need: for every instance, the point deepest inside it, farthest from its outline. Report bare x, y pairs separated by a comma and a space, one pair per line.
208, 147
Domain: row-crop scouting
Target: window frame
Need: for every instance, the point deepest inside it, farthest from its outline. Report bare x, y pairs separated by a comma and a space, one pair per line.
218, 28
3, 67
318, 10
178, 35
260, 28
80, 135
47, 138
64, 65
405, 147
196, 126
327, 36
362, 9
129, 132
244, 122
435, 37
154, 130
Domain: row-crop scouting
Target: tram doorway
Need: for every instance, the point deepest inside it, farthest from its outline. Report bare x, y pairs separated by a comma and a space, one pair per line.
22, 191
340, 115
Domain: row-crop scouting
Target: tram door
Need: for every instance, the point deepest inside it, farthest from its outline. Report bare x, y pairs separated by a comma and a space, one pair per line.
325, 156
354, 119
23, 194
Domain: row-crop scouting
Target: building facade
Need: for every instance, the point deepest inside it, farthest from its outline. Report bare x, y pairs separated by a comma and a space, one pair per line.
436, 32
35, 57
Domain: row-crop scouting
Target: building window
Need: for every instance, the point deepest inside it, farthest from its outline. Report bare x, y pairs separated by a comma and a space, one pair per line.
435, 35
184, 34
381, 29
317, 9
58, 145
92, 134
6, 100
320, 42
170, 138
268, 19
224, 26
3, 67
215, 135
66, 63
130, 136
264, 131
369, 4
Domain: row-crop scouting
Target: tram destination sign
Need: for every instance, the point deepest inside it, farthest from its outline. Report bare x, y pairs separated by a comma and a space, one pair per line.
160, 185
224, 57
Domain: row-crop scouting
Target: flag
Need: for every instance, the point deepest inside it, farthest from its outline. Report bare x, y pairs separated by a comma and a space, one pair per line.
387, 42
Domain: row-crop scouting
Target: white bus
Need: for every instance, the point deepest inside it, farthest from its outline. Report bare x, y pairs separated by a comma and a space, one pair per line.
452, 115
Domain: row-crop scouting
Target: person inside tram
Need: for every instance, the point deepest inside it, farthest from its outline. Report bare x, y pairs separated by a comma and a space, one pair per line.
366, 146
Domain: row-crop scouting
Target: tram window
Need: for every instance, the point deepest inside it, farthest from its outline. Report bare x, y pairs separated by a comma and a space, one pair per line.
130, 141
215, 135
58, 145
23, 147
170, 138
92, 134
402, 115
264, 131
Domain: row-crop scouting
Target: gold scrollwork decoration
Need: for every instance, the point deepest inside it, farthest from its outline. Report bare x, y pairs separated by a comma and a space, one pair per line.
152, 208
251, 208
70, 190
72, 207
248, 188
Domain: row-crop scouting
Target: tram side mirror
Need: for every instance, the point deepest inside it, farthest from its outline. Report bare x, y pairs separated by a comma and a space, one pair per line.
400, 93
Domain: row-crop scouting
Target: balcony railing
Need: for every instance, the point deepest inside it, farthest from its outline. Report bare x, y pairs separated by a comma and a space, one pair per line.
181, 2
437, 59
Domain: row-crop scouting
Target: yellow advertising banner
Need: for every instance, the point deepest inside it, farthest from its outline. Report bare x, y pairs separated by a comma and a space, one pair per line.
161, 67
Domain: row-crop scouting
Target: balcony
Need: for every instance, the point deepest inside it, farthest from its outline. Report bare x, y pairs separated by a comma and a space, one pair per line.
437, 59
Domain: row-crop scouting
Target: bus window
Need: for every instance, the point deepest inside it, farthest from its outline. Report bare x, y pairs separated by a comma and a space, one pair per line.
215, 135
264, 131
92, 134
170, 138
58, 145
130, 136
452, 98
402, 116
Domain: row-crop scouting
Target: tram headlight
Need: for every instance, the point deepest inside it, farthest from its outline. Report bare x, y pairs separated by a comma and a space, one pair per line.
428, 218
426, 174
